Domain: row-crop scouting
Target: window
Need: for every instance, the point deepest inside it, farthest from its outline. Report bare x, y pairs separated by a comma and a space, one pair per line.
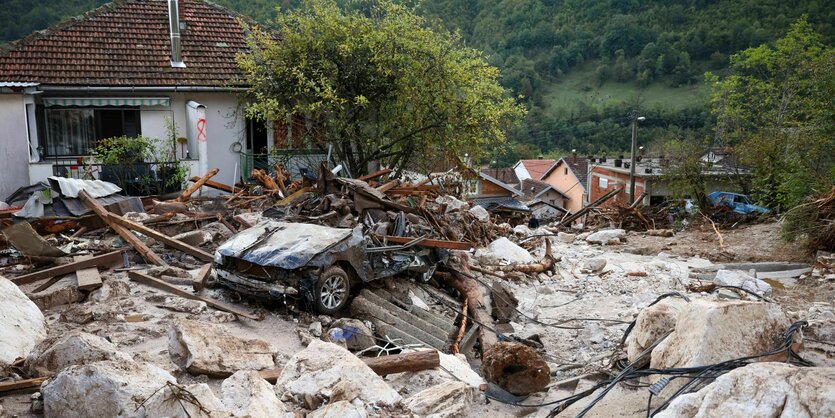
603, 183
566, 170
75, 131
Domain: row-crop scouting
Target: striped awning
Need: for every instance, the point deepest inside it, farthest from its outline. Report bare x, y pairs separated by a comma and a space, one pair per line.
107, 101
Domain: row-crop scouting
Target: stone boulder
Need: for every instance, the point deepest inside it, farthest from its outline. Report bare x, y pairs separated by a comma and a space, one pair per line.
356, 335
102, 389
761, 390
480, 213
742, 279
176, 401
516, 367
651, 324
247, 394
74, 349
323, 366
204, 348
505, 250
566, 237
452, 204
607, 237
708, 332
341, 409
594, 265
21, 323
448, 400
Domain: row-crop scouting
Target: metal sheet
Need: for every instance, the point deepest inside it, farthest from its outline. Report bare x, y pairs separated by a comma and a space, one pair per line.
70, 187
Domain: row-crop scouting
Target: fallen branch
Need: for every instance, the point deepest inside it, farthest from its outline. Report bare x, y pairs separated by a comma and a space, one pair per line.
721, 240
462, 281
546, 264
461, 329
404, 362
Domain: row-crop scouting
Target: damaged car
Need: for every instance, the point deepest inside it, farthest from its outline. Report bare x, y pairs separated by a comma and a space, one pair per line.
319, 264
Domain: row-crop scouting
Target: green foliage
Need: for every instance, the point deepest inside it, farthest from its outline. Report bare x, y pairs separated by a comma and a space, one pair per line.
778, 105
684, 169
124, 150
378, 85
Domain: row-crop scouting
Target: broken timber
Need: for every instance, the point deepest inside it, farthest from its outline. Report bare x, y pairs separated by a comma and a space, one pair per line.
128, 236
213, 184
433, 243
197, 185
199, 281
88, 278
404, 362
375, 174
15, 385
159, 284
165, 239
108, 259
568, 220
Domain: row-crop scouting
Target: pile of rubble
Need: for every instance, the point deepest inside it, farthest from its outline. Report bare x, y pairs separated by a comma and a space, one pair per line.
338, 297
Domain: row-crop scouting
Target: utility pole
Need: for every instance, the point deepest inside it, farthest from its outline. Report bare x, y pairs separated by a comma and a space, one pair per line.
635, 120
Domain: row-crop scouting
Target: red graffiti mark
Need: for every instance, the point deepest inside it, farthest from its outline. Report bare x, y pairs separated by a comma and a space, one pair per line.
201, 129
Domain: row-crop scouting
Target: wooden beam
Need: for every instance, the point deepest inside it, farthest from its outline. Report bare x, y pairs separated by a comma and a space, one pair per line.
165, 239
390, 185
404, 362
197, 185
213, 184
106, 260
270, 375
289, 199
128, 236
88, 278
432, 243
199, 281
159, 284
375, 174
22, 384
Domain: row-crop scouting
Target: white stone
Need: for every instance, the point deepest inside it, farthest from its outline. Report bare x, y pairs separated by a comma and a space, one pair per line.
247, 394
709, 332
761, 390
522, 230
22, 324
606, 236
76, 348
341, 409
452, 204
204, 348
322, 365
315, 329
504, 249
457, 366
102, 389
566, 237
595, 265
651, 324
742, 279
446, 400
480, 213
173, 402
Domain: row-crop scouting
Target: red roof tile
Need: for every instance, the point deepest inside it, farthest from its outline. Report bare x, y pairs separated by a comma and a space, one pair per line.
126, 43
537, 168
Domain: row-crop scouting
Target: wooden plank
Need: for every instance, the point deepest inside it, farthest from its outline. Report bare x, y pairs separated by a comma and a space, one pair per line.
270, 375
390, 185
165, 239
433, 243
197, 185
128, 236
22, 384
199, 281
375, 174
289, 199
159, 284
107, 260
213, 184
404, 362
88, 278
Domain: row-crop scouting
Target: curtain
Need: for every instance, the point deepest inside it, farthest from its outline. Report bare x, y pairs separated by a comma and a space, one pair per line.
70, 132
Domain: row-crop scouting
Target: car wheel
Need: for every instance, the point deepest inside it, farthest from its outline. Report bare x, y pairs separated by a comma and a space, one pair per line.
332, 291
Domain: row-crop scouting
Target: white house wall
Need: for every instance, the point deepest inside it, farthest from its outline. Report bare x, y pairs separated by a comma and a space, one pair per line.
14, 144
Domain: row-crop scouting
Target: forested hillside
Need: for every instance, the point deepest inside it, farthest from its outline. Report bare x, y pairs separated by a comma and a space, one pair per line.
582, 66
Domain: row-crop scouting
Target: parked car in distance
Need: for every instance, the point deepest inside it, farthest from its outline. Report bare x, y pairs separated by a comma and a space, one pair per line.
739, 203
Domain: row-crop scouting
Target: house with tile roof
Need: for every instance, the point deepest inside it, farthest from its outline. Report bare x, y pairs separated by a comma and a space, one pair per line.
569, 176
532, 169
130, 67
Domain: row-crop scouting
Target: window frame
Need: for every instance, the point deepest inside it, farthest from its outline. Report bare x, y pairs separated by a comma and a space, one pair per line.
43, 125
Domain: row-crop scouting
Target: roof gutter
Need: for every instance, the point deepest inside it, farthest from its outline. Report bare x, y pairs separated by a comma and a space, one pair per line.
175, 89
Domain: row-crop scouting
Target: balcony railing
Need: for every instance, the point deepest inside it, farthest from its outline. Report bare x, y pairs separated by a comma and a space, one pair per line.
135, 179
294, 161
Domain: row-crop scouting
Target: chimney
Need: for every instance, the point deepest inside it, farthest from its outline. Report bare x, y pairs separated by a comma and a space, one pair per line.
174, 15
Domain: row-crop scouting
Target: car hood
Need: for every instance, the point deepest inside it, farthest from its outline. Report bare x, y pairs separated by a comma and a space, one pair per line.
283, 244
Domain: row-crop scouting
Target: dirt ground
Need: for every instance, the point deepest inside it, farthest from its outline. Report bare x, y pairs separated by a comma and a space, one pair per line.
746, 243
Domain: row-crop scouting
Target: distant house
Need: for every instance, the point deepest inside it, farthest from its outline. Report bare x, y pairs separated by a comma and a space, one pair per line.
568, 175
128, 68
610, 174
535, 190
546, 212
532, 169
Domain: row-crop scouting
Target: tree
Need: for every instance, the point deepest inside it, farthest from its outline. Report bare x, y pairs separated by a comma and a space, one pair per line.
778, 104
378, 84
684, 169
